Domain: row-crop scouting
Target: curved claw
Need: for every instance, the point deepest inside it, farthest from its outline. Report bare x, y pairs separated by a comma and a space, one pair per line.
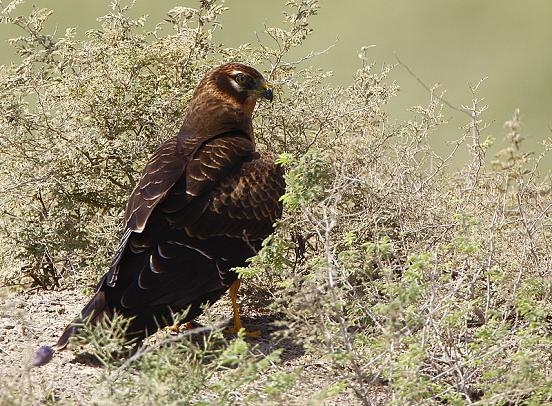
176, 327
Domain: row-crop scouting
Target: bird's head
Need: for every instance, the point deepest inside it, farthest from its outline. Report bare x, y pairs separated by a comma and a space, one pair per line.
225, 99
237, 84
241, 82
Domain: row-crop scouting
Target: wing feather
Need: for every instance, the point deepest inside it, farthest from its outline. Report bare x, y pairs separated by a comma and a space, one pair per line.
162, 171
244, 204
235, 208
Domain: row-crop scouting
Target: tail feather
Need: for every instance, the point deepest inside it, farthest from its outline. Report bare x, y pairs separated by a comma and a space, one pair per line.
94, 311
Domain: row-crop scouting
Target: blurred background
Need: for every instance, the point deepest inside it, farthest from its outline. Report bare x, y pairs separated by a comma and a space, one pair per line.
453, 42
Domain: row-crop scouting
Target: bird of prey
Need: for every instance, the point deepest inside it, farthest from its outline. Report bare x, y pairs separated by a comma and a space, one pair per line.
203, 205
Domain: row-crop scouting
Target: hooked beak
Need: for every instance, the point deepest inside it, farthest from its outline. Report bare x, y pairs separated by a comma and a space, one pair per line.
266, 92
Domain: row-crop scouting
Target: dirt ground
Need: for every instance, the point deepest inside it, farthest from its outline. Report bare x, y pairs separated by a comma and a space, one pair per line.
28, 321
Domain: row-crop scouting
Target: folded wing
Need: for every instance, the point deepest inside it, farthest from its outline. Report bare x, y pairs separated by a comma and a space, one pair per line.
191, 219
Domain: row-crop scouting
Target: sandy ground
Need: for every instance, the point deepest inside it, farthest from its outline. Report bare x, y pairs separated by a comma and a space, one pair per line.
28, 321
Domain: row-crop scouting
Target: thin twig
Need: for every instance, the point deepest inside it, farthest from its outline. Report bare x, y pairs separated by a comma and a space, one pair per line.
426, 87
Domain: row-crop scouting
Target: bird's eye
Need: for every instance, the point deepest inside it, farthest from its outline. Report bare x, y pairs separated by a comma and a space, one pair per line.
240, 78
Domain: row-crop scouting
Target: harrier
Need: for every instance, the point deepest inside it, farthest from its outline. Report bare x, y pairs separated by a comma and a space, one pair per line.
204, 203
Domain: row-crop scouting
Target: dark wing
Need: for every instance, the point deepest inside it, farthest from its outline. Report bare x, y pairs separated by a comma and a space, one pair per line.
204, 222
244, 205
227, 190
213, 218
209, 220
173, 159
186, 253
162, 171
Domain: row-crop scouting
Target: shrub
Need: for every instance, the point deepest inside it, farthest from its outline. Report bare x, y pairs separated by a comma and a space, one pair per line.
411, 281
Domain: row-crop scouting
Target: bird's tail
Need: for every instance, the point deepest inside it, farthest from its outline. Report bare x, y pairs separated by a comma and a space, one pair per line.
94, 311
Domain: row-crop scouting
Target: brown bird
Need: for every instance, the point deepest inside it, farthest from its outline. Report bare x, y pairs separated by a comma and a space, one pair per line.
204, 203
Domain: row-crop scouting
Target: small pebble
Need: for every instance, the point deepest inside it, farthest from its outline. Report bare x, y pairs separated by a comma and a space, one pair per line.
43, 356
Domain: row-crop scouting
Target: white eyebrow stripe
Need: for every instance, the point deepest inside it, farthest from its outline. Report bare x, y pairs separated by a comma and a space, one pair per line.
235, 72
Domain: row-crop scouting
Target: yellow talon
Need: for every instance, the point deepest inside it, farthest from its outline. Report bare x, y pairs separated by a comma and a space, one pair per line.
175, 328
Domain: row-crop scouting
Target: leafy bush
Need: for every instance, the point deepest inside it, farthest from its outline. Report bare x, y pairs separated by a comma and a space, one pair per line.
80, 119
410, 281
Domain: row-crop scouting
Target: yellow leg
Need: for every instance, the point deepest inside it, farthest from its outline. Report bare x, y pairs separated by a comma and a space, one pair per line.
233, 292
235, 309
